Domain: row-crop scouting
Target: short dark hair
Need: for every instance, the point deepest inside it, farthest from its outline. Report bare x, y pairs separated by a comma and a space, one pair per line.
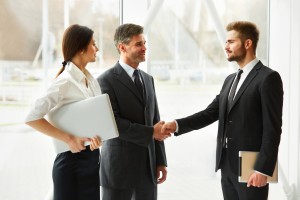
246, 30
125, 32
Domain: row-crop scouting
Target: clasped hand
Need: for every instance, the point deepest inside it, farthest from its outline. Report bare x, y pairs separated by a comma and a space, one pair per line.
76, 144
163, 130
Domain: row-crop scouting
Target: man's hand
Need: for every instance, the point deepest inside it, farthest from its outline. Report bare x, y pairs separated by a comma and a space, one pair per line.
158, 134
169, 127
257, 180
161, 173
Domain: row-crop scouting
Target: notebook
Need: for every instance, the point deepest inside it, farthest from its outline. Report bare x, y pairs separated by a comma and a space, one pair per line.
246, 164
85, 118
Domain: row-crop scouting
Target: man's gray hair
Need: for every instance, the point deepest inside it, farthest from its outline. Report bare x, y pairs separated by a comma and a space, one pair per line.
125, 32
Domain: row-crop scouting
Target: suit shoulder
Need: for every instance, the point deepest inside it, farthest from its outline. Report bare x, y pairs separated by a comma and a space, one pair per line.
146, 74
106, 74
230, 76
268, 71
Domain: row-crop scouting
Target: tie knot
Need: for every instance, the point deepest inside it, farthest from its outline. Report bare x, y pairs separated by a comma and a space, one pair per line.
240, 72
136, 73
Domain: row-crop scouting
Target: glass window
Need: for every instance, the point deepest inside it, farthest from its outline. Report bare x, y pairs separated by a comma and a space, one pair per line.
187, 59
28, 158
186, 56
21, 54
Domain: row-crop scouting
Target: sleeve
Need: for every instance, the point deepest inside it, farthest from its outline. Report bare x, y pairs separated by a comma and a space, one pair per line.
271, 93
129, 131
44, 104
200, 119
161, 157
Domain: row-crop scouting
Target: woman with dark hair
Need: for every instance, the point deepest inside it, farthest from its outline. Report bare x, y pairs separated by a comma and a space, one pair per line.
75, 172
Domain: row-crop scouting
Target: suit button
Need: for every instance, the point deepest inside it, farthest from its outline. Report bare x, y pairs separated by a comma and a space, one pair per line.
230, 121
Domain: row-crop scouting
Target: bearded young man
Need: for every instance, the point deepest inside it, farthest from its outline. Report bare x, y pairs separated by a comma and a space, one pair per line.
249, 110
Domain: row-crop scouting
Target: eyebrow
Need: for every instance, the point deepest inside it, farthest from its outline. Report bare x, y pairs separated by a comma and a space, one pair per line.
140, 42
230, 40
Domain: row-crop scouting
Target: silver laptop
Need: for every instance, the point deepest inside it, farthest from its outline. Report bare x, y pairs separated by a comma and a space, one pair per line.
86, 118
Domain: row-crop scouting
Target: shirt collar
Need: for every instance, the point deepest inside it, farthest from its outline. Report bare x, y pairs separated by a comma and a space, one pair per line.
77, 73
247, 68
129, 70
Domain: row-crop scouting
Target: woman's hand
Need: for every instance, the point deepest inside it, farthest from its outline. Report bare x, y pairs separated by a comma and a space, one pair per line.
95, 143
76, 144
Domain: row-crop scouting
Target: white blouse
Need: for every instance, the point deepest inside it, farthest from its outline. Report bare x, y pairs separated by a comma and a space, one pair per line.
68, 87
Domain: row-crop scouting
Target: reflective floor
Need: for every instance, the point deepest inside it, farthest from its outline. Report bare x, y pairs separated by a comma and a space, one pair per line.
26, 156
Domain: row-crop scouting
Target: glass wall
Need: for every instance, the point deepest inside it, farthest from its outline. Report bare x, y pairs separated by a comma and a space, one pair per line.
186, 56
24, 26
27, 156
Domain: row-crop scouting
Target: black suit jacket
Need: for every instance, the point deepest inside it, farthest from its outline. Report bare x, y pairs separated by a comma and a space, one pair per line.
124, 158
253, 123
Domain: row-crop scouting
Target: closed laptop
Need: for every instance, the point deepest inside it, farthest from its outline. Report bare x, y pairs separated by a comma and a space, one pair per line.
86, 118
246, 165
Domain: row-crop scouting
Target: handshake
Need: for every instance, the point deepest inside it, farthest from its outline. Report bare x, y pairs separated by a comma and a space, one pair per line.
164, 130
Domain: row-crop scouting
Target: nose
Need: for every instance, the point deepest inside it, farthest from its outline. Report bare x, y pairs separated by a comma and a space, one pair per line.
226, 46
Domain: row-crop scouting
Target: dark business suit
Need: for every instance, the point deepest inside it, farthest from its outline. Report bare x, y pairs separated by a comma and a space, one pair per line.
253, 123
126, 158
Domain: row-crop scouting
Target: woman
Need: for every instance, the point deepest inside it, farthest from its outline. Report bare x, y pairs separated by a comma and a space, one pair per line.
75, 172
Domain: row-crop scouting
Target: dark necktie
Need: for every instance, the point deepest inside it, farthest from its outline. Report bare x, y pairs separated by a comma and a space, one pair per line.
137, 81
233, 88
230, 100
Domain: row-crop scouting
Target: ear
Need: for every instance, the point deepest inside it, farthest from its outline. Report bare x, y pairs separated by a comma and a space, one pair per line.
248, 43
122, 47
81, 51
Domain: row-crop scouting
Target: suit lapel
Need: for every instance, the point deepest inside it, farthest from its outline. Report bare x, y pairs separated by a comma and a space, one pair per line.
123, 77
146, 84
247, 81
226, 93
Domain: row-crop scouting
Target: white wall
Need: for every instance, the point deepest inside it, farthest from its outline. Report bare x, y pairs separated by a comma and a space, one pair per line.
284, 57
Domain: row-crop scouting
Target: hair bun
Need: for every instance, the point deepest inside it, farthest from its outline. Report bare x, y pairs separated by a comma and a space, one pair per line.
64, 63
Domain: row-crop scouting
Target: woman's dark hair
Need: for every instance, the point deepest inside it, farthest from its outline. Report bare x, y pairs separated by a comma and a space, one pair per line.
76, 38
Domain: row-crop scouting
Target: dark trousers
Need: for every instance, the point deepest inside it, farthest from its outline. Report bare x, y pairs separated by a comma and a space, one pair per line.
76, 175
145, 190
234, 190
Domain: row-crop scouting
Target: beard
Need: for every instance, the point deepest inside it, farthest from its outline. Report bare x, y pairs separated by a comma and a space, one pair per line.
240, 55
138, 58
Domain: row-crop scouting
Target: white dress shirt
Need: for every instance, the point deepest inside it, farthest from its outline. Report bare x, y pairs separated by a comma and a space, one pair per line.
246, 70
129, 70
68, 87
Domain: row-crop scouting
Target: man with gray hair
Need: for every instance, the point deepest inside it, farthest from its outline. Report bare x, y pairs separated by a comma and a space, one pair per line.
133, 163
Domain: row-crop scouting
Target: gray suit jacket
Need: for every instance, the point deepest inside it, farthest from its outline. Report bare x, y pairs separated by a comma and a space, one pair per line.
253, 123
124, 158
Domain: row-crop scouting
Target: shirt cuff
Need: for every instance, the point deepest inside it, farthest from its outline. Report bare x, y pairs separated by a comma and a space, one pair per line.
261, 173
177, 128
